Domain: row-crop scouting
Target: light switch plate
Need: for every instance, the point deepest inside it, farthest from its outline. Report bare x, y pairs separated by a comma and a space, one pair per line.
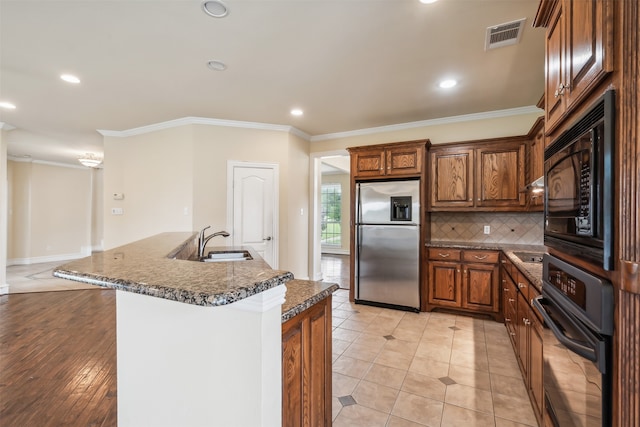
117, 211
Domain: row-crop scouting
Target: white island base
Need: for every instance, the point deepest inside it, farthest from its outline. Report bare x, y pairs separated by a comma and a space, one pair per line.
187, 365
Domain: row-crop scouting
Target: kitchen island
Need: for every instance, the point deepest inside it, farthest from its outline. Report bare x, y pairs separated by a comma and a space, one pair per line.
197, 343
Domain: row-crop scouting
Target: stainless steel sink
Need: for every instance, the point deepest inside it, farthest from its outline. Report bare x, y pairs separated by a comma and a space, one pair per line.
227, 256
529, 256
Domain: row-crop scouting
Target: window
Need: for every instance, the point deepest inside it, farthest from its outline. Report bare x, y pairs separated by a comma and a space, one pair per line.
331, 215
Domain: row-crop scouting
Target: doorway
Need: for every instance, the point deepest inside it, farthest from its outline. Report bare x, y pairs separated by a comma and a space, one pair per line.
331, 217
252, 204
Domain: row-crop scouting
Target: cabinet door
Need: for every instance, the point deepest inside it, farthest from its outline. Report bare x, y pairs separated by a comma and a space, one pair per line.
523, 337
306, 367
444, 284
404, 160
509, 306
480, 284
555, 104
588, 46
292, 374
368, 163
500, 176
536, 365
451, 178
536, 164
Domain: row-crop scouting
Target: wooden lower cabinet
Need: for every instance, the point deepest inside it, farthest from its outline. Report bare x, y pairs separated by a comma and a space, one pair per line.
463, 279
306, 367
525, 329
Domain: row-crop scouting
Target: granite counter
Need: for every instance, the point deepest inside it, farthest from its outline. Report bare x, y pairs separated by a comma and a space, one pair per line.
159, 266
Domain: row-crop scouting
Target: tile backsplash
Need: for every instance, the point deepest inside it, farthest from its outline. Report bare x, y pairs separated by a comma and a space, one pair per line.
513, 228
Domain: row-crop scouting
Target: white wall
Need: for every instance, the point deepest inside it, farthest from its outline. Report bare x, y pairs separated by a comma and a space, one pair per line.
4, 189
167, 173
462, 128
49, 212
154, 172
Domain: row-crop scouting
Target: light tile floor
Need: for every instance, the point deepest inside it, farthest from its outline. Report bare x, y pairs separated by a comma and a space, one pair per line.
39, 278
402, 369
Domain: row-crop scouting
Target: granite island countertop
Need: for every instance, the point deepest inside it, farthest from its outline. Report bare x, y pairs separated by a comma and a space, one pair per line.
158, 266
532, 270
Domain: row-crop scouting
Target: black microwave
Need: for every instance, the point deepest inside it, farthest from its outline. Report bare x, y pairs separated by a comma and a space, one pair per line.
579, 186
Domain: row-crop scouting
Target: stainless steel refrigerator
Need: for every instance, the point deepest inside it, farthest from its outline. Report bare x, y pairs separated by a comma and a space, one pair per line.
387, 244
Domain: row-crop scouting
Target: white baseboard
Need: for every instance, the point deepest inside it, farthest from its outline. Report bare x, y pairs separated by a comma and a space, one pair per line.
4, 289
48, 258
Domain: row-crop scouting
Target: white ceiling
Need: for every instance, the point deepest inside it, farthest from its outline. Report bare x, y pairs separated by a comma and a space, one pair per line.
349, 64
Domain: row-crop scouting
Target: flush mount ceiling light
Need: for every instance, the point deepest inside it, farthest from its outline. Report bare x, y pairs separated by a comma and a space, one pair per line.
448, 84
297, 112
70, 78
7, 105
428, 1
90, 160
216, 65
215, 8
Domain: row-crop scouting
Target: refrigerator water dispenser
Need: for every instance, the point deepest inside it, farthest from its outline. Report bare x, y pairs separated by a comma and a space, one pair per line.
401, 208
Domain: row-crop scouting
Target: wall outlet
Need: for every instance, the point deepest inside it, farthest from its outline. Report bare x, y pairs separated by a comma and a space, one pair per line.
487, 229
117, 211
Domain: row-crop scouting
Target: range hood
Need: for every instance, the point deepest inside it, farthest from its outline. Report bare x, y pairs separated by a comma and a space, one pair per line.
536, 186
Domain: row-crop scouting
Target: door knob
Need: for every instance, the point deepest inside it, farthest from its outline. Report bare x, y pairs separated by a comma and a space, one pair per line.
267, 238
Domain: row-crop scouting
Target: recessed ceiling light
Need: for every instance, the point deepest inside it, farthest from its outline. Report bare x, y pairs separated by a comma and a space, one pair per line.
447, 84
7, 105
215, 8
297, 112
70, 78
216, 65
428, 1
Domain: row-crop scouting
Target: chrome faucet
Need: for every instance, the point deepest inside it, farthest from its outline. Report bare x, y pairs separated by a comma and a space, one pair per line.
202, 241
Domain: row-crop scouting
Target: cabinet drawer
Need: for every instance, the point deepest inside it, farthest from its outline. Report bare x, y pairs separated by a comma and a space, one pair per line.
444, 254
523, 285
489, 257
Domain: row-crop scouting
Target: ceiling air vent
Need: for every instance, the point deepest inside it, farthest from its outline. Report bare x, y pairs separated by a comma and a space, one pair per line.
504, 34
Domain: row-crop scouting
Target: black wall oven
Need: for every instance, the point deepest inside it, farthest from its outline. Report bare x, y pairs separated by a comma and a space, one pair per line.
577, 308
579, 176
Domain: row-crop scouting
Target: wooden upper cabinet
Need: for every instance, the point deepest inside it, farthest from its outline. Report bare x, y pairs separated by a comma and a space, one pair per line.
483, 175
578, 52
536, 163
368, 163
555, 103
500, 176
399, 159
452, 178
404, 160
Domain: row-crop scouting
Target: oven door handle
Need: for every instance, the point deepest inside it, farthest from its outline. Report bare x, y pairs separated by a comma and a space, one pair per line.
589, 353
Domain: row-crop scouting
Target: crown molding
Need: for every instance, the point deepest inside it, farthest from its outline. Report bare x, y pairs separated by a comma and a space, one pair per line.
6, 126
433, 122
203, 121
45, 162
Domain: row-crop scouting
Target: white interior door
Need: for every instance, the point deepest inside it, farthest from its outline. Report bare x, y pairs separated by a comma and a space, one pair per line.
255, 208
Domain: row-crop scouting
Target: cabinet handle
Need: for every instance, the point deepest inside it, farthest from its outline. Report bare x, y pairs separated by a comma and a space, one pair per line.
443, 255
505, 289
511, 300
526, 321
458, 271
504, 261
521, 285
506, 319
504, 281
560, 90
480, 257
513, 334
